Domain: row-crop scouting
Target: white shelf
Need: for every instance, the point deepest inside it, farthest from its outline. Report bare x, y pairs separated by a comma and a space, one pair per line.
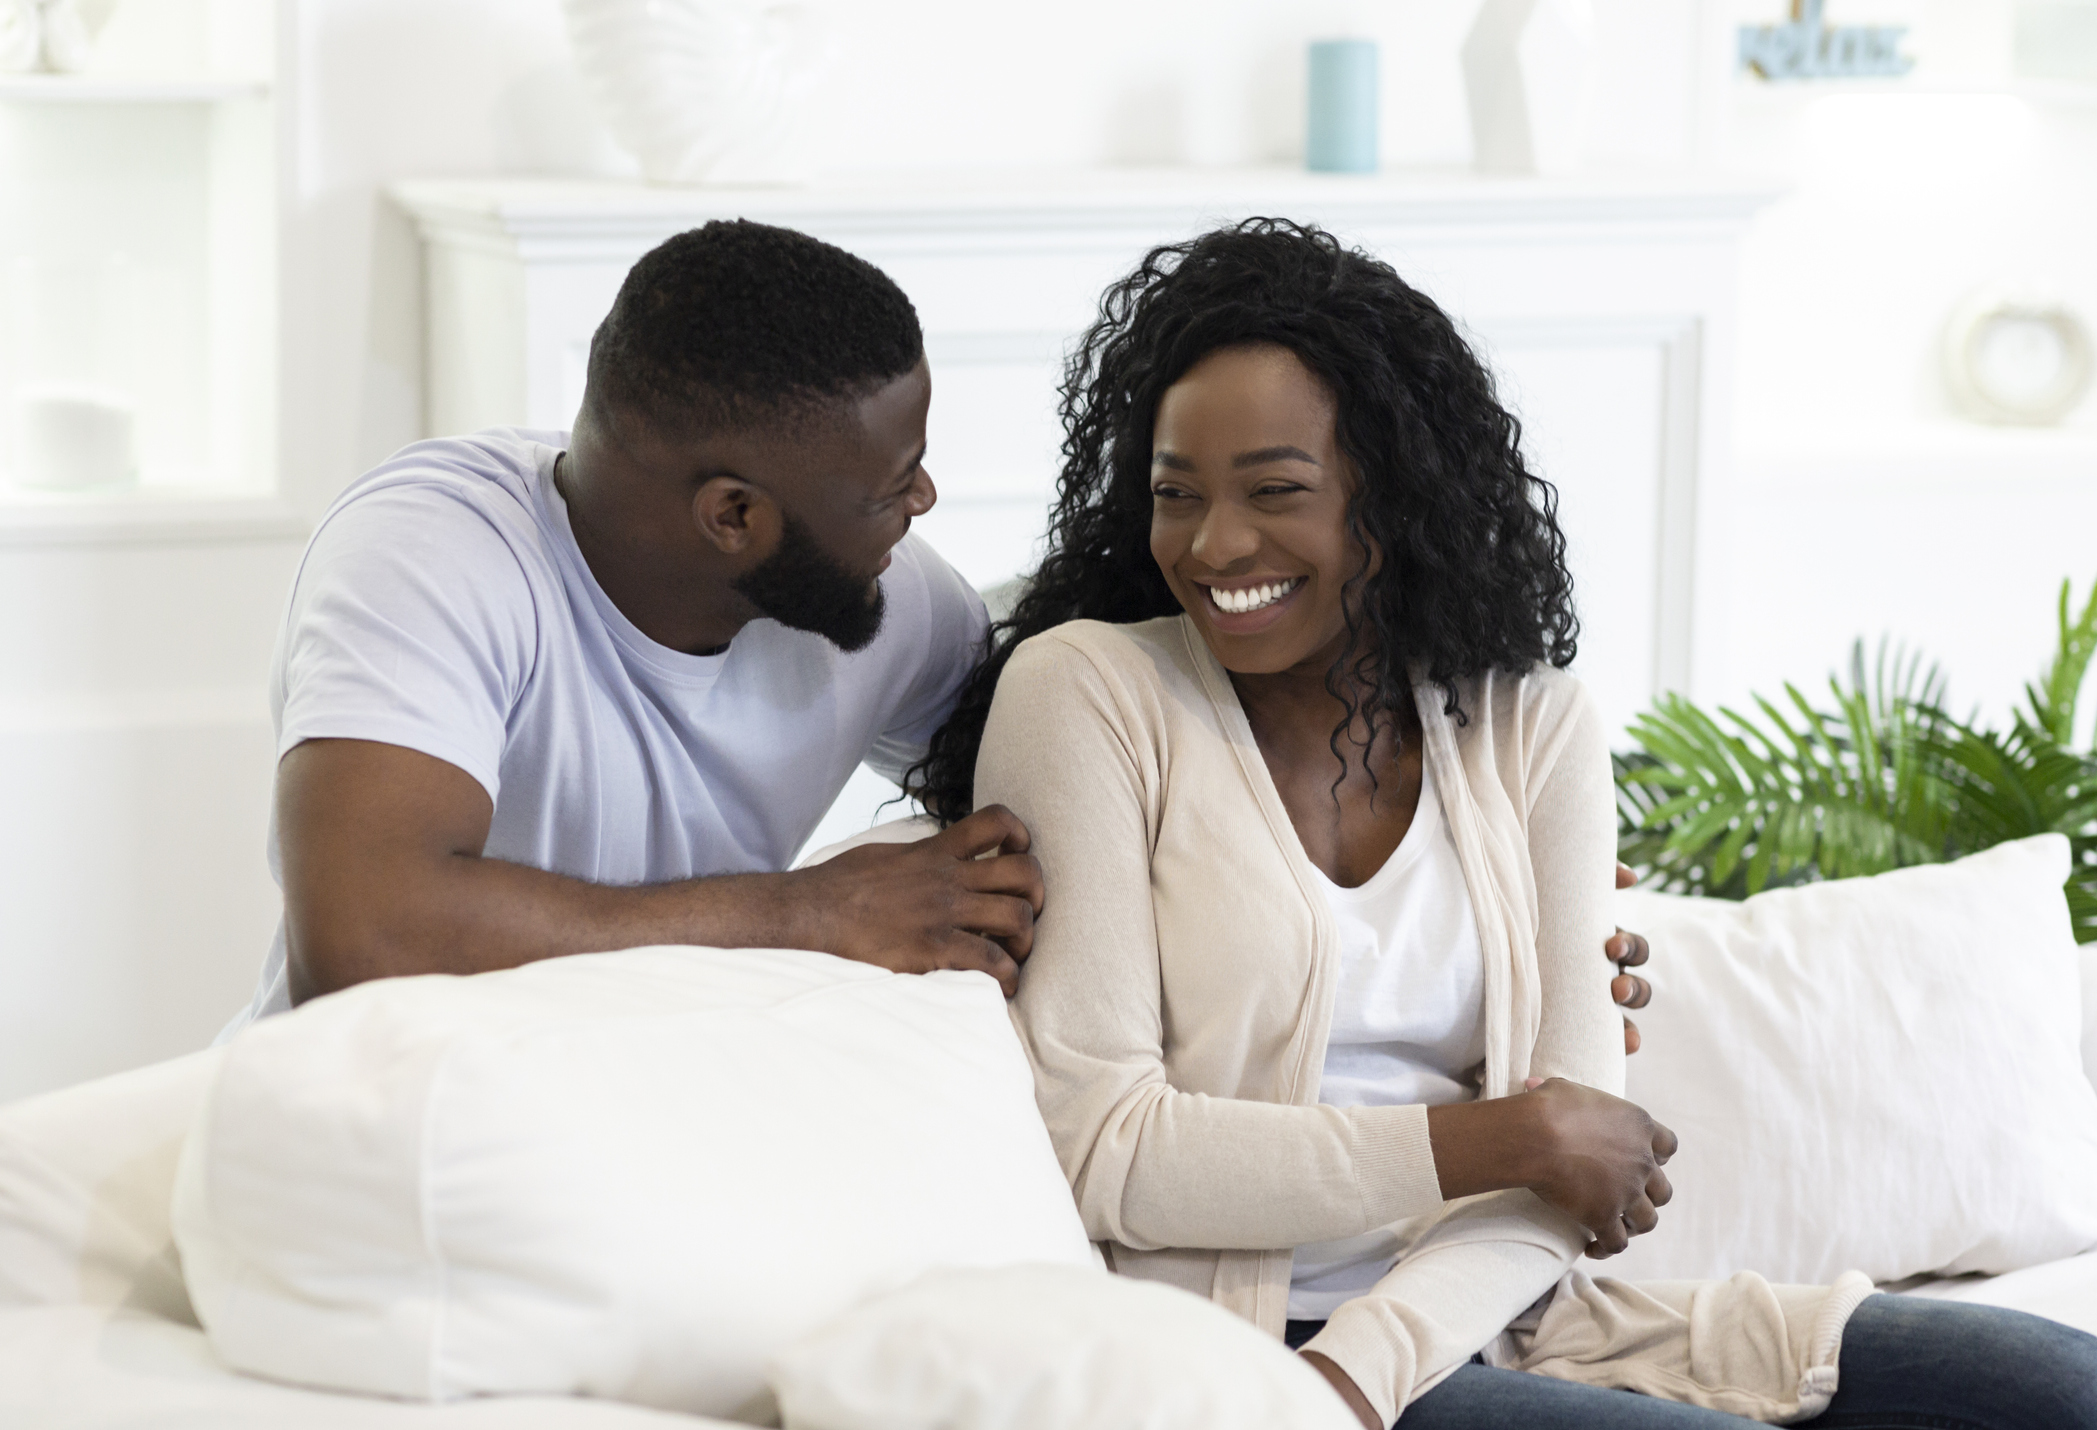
128, 89
1925, 455
588, 220
55, 519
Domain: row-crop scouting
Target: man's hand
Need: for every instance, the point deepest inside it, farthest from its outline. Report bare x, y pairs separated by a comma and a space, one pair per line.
1628, 950
1598, 1160
1343, 1383
965, 898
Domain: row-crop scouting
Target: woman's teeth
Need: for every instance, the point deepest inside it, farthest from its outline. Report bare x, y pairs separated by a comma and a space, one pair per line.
1252, 598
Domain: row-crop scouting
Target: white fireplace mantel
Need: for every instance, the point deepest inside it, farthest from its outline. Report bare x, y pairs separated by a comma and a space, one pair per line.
1605, 306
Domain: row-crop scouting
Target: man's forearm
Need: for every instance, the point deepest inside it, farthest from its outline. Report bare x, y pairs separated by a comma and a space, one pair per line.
468, 914
384, 876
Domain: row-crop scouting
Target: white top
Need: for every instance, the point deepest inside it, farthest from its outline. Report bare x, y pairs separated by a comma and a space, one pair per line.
443, 605
1408, 1022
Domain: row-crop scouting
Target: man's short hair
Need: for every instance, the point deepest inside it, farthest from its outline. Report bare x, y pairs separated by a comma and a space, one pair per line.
737, 323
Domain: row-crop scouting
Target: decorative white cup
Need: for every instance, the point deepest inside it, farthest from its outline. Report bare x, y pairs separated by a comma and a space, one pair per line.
73, 439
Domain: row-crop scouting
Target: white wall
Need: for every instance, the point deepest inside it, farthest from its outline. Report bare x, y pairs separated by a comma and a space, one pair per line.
133, 730
135, 764
1863, 505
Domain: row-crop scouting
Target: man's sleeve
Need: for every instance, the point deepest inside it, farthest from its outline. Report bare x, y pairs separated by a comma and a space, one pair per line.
955, 626
411, 623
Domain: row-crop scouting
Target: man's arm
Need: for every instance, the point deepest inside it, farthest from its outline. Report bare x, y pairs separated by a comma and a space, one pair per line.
384, 876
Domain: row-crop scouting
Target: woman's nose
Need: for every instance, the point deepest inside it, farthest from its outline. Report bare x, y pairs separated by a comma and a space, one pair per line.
1224, 536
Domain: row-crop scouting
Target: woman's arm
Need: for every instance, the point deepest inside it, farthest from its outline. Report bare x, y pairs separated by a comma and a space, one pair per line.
1071, 749
1490, 1257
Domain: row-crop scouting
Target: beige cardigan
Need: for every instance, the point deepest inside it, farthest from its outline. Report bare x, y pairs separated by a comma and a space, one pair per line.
1178, 997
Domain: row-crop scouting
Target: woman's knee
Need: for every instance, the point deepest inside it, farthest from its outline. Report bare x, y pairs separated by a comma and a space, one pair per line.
1964, 1364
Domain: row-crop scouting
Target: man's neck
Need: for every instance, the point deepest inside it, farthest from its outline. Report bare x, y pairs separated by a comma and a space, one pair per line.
673, 608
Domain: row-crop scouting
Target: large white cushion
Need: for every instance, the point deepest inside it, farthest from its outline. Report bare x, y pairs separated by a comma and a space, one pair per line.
2089, 1010
74, 1368
1878, 1073
84, 1182
2064, 1291
1048, 1348
632, 1175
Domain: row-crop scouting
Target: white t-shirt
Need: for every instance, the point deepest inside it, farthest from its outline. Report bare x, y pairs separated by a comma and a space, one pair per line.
443, 605
1408, 1022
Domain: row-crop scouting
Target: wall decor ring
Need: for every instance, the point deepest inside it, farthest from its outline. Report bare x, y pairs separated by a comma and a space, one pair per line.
2016, 358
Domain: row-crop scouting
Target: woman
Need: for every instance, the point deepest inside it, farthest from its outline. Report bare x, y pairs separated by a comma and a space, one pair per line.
1327, 831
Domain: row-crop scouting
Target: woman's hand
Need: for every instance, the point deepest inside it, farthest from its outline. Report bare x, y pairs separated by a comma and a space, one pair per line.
1342, 1382
1628, 950
1598, 1160
1595, 1157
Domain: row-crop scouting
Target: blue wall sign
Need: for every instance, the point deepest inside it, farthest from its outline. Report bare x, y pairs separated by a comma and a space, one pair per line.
1804, 48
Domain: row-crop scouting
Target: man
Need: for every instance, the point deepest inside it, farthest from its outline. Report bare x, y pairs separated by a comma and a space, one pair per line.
542, 693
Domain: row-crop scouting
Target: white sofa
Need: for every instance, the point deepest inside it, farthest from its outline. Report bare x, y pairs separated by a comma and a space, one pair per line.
96, 1329
123, 1353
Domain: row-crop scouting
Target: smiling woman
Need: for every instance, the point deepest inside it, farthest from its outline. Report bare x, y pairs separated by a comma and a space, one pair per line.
1327, 834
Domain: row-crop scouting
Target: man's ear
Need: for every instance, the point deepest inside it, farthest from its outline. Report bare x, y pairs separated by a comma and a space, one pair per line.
738, 517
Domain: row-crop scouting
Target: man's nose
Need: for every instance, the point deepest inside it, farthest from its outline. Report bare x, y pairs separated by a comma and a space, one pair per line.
922, 496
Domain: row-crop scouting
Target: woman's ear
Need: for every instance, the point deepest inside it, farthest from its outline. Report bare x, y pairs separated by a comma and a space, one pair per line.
738, 517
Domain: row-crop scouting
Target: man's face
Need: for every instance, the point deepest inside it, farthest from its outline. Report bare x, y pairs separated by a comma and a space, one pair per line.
848, 487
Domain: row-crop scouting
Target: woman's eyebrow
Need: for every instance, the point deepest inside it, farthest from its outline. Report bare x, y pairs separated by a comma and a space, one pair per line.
1263, 455
1166, 457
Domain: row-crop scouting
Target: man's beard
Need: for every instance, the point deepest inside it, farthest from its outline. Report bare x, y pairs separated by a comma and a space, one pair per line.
803, 586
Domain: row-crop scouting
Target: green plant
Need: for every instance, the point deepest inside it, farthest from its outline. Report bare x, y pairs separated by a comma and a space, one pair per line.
1731, 804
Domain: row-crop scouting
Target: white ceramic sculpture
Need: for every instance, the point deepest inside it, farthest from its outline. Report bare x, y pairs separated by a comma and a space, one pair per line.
1529, 70
703, 91
56, 36
21, 36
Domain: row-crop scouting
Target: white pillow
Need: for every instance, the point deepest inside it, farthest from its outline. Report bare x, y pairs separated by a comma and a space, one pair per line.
907, 830
85, 1176
2089, 1010
1048, 1348
1879, 1073
630, 1175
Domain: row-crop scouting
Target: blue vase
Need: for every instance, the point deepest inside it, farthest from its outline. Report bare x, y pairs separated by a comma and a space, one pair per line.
1341, 135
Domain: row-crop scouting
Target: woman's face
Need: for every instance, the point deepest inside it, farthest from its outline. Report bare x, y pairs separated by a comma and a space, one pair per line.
1249, 498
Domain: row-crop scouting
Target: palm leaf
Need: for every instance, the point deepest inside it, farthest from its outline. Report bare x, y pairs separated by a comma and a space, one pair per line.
1881, 777
2053, 699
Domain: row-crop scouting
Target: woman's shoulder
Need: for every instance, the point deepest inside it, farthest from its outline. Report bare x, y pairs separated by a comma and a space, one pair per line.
1543, 686
1137, 675
1142, 650
1529, 713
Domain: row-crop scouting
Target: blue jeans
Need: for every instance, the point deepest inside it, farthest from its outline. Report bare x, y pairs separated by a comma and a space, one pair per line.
1907, 1364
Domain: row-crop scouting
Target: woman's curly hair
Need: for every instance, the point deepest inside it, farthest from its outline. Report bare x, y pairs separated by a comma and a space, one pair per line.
1473, 575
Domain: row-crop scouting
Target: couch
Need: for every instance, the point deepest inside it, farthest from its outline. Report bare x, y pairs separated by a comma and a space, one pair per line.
96, 1329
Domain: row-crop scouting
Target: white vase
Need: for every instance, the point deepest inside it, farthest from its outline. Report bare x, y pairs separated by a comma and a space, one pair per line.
21, 36
1529, 70
704, 91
